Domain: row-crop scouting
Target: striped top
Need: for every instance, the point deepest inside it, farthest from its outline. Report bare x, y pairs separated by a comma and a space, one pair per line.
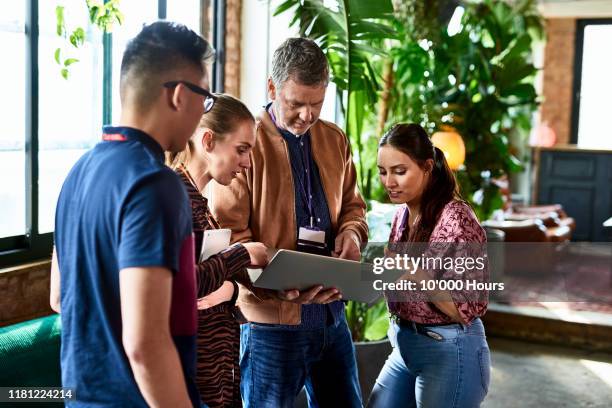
218, 339
218, 268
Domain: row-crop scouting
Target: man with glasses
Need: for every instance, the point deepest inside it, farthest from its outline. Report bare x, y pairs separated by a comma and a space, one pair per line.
123, 236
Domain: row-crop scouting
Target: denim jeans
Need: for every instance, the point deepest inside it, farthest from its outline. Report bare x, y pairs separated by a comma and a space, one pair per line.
275, 363
424, 372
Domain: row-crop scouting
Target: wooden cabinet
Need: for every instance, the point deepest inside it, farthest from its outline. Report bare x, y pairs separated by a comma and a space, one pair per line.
581, 181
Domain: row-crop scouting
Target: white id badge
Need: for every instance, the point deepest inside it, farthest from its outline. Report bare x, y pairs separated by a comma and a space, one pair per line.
307, 234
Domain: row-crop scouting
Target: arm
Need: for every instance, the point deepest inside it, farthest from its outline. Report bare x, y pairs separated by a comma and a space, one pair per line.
442, 299
145, 312
54, 295
220, 267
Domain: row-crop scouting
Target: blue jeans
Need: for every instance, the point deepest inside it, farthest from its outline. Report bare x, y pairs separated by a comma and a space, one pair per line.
425, 372
275, 363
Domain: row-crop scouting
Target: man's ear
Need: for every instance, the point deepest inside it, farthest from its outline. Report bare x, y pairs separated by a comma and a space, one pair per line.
175, 97
271, 89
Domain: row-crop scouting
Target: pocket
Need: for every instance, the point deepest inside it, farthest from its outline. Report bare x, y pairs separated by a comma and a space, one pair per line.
484, 359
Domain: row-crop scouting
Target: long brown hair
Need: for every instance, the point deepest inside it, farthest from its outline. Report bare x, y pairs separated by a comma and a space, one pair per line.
225, 116
412, 140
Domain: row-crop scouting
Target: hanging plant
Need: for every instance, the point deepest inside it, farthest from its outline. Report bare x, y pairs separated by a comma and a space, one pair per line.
102, 14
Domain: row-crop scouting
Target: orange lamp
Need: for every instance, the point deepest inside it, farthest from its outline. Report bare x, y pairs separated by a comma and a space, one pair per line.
451, 143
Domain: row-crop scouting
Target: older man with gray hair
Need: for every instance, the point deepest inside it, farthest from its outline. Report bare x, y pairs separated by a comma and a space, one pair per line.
301, 194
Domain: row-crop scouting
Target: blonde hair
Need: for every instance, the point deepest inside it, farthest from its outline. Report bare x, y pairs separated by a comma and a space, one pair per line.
225, 116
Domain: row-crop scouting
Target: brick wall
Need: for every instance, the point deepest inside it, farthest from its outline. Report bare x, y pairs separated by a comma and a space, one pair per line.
232, 47
556, 109
24, 292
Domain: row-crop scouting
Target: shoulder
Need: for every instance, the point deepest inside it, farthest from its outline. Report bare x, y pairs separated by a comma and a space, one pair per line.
159, 183
330, 129
458, 223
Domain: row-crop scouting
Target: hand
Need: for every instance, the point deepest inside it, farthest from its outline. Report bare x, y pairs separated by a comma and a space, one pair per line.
258, 253
316, 294
347, 246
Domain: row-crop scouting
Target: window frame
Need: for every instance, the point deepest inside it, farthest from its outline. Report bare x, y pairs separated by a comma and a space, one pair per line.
581, 25
32, 245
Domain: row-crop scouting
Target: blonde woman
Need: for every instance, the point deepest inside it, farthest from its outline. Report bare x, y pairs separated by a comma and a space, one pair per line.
218, 150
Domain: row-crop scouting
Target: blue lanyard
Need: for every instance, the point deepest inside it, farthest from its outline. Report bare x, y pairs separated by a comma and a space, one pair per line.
307, 189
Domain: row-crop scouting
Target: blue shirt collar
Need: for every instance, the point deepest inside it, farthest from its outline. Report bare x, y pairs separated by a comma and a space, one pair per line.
138, 135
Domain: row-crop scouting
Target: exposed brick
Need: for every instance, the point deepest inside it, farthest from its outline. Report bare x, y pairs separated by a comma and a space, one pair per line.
232, 47
556, 108
24, 293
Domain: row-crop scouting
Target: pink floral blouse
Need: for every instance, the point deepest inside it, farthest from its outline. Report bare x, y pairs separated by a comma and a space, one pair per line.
457, 224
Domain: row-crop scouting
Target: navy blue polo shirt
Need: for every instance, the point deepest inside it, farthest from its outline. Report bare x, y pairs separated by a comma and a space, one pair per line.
120, 207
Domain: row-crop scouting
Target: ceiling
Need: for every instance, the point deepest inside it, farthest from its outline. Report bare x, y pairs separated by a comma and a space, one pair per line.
576, 8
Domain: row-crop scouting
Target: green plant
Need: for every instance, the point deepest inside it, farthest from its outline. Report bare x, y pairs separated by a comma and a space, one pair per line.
102, 14
367, 323
478, 80
403, 65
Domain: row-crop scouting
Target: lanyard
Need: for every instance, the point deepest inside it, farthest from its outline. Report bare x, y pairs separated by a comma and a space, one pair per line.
306, 189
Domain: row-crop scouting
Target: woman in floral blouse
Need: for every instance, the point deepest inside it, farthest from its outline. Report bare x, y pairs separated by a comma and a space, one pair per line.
440, 355
218, 150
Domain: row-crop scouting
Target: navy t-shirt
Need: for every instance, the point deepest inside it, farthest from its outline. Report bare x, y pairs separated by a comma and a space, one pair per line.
120, 207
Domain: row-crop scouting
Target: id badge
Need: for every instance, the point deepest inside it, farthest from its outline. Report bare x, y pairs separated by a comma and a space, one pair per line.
312, 241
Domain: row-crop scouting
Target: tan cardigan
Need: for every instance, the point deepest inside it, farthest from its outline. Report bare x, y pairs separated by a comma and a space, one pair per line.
259, 205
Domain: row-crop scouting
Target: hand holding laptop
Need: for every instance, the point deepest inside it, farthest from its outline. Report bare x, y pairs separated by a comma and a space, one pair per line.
316, 294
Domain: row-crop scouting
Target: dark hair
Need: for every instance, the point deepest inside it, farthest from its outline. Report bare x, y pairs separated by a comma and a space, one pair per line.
412, 140
160, 50
301, 60
225, 116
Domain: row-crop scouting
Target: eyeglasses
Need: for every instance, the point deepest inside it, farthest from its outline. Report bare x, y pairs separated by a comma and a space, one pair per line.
209, 99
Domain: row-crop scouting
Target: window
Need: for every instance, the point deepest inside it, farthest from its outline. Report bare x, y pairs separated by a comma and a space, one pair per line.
13, 42
66, 130
592, 84
49, 122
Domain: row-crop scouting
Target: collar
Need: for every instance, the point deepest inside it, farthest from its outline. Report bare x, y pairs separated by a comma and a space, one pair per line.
284, 132
124, 133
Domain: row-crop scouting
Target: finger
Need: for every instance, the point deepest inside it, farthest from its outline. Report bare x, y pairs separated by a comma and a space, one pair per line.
337, 296
308, 296
324, 296
289, 294
345, 249
339, 243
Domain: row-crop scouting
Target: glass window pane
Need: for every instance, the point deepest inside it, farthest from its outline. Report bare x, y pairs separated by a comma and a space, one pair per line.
596, 87
136, 13
70, 111
185, 12
12, 125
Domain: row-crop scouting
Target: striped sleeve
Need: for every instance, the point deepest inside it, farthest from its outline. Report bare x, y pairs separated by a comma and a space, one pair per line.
221, 267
